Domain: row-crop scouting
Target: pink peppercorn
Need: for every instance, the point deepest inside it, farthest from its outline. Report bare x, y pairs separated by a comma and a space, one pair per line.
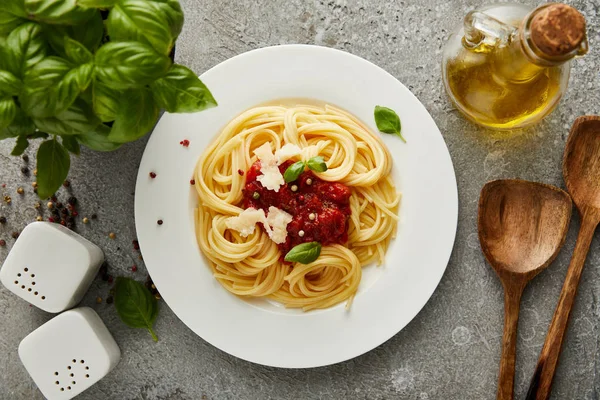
192, 182
74, 213
152, 175
240, 172
134, 268
185, 143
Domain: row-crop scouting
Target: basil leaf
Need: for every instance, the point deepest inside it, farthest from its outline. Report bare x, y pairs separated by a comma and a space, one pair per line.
8, 112
140, 21
76, 52
53, 163
388, 121
53, 85
304, 253
97, 3
38, 135
129, 64
77, 119
8, 22
294, 171
9, 84
105, 101
21, 125
89, 34
21, 145
65, 12
174, 14
135, 305
317, 164
136, 116
181, 91
70, 143
14, 7
98, 139
26, 47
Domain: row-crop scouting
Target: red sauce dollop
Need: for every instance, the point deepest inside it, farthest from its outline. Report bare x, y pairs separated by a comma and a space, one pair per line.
330, 202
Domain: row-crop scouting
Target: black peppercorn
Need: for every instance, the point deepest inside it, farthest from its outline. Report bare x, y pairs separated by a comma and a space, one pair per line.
72, 200
15, 235
53, 198
66, 184
70, 225
70, 220
94, 216
2, 220
109, 300
25, 170
25, 158
64, 212
59, 205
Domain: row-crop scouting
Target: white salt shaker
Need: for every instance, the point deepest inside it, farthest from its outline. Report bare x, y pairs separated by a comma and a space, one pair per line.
50, 266
69, 353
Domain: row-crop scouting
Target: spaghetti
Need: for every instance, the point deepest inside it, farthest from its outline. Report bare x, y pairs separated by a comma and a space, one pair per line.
253, 265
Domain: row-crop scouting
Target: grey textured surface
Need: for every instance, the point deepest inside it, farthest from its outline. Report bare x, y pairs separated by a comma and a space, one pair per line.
451, 349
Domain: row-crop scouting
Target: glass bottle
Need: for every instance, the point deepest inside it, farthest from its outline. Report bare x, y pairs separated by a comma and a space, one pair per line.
508, 65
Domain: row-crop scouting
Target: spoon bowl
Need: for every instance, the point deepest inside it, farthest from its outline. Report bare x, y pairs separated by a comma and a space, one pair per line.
522, 226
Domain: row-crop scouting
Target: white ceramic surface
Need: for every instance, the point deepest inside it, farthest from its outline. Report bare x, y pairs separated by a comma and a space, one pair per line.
389, 296
51, 266
69, 353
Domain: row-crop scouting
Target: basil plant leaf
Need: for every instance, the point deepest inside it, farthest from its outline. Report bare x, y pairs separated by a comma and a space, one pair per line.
181, 91
53, 85
135, 305
71, 144
14, 7
105, 101
129, 64
8, 112
98, 139
89, 34
8, 22
53, 163
317, 164
21, 125
388, 121
76, 52
26, 47
66, 12
294, 171
173, 13
304, 253
140, 21
21, 145
136, 116
77, 119
9, 84
97, 3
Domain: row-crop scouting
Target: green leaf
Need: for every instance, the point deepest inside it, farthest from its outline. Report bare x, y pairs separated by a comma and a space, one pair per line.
97, 3
89, 34
21, 145
70, 143
135, 305
53, 163
14, 7
65, 12
388, 121
26, 48
53, 85
129, 64
9, 84
140, 21
317, 164
98, 139
8, 112
136, 116
304, 253
174, 14
8, 22
105, 101
181, 91
294, 171
76, 52
21, 125
77, 119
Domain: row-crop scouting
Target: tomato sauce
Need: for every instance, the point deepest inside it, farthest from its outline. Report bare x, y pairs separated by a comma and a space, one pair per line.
327, 203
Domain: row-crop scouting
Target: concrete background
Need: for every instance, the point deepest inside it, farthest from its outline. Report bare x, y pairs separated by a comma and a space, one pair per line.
451, 349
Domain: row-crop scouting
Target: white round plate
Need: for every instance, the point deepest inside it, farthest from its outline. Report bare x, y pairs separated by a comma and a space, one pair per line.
389, 296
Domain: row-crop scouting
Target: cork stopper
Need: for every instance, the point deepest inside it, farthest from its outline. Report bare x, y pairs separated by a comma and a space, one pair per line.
558, 29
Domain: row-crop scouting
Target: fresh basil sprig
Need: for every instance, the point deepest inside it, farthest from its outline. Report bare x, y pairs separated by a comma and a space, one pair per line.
304, 253
388, 121
95, 72
135, 305
292, 172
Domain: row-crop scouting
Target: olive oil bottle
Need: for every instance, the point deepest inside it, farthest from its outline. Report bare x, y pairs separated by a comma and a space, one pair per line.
507, 67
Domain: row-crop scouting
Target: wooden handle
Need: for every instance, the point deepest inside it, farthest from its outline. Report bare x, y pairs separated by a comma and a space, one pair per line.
541, 383
506, 377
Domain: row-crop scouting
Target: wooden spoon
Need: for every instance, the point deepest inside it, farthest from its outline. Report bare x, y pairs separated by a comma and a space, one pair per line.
522, 226
581, 170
